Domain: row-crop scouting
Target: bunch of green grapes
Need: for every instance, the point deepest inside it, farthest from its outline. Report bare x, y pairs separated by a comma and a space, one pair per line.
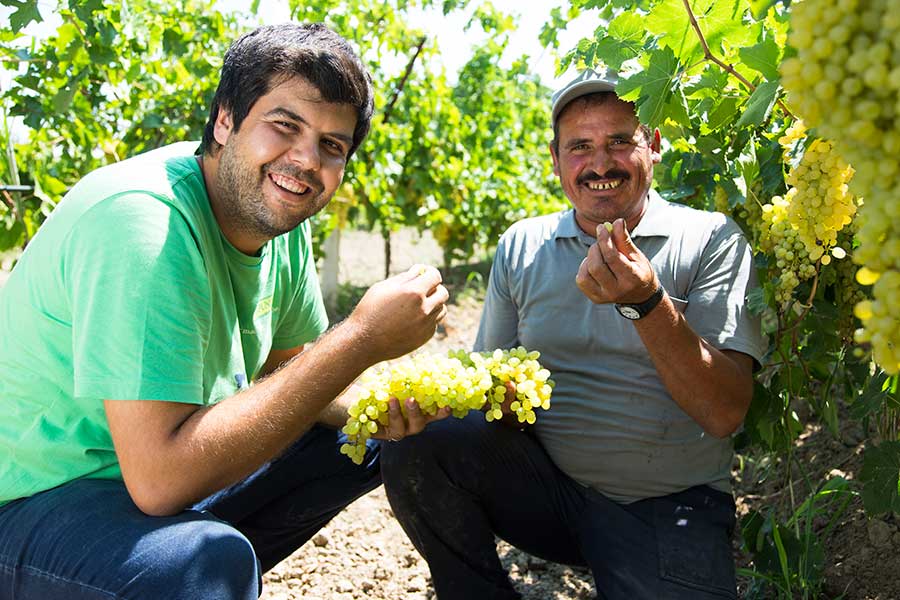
845, 77
845, 82
779, 238
801, 228
461, 380
819, 200
749, 211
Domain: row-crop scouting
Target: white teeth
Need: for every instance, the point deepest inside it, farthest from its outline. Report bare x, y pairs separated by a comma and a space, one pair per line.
291, 185
609, 185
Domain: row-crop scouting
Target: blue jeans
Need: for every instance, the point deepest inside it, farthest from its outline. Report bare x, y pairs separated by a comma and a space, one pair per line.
86, 540
456, 485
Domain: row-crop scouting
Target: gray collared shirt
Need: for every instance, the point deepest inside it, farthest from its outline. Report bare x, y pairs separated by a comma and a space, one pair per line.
613, 425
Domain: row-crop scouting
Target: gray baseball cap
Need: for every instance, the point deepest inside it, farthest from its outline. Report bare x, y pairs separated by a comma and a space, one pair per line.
588, 81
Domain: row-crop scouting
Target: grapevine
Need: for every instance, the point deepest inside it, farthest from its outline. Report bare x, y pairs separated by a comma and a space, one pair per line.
845, 81
460, 380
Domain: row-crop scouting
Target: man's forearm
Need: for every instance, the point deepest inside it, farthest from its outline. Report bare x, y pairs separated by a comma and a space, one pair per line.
713, 387
216, 446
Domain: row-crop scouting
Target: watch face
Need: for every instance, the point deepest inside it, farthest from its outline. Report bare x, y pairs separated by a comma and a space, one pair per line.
629, 312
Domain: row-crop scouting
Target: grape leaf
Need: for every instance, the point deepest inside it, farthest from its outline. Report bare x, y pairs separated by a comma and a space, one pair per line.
756, 301
881, 477
676, 108
623, 41
871, 399
651, 88
770, 168
718, 20
760, 104
26, 12
12, 233
759, 8
63, 98
723, 113
763, 57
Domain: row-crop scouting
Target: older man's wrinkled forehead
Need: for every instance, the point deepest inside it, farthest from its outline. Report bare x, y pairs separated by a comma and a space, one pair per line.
597, 99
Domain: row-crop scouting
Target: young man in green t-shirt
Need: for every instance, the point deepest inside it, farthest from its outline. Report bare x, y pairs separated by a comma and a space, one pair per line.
138, 462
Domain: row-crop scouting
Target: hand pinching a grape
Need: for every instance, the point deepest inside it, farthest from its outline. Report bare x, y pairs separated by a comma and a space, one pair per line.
615, 270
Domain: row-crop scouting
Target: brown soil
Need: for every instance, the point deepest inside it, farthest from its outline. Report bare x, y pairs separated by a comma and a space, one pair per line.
363, 552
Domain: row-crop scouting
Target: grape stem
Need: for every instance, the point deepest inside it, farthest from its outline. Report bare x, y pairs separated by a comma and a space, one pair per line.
794, 327
711, 57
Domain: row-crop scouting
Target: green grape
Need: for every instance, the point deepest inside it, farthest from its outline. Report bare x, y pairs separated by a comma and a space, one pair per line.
461, 380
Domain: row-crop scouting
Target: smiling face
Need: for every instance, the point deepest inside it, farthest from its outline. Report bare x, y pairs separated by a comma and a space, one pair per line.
281, 167
604, 161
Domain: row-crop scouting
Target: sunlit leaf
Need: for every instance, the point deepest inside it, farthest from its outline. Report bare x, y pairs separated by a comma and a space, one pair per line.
763, 57
718, 20
651, 88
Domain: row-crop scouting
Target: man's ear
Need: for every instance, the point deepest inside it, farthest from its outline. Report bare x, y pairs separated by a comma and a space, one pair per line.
655, 147
555, 160
223, 126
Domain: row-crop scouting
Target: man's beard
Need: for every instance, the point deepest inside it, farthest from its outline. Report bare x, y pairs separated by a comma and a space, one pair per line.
242, 203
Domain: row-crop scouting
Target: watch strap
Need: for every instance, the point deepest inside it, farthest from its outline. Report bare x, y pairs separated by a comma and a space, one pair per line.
641, 309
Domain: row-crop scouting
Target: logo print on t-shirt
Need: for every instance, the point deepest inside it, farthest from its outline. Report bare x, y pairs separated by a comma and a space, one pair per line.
263, 308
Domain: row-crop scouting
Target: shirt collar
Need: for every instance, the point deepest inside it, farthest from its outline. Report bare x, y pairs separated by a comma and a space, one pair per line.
655, 222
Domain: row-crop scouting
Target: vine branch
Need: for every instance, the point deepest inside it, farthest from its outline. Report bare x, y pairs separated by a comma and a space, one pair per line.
721, 64
399, 89
7, 199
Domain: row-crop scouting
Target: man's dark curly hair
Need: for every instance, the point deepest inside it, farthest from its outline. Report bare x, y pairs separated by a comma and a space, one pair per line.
266, 57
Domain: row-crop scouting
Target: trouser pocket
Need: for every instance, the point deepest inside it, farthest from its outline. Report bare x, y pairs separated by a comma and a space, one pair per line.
693, 533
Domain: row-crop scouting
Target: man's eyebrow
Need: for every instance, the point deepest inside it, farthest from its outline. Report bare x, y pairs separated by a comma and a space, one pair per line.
577, 142
625, 135
289, 114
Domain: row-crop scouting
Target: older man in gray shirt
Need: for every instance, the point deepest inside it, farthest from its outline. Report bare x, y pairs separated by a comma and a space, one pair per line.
638, 308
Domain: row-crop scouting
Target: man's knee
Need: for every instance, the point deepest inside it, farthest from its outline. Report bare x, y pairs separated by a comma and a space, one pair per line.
200, 558
443, 448
412, 456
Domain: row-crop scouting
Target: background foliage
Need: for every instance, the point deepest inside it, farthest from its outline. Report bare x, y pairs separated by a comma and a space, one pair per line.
117, 79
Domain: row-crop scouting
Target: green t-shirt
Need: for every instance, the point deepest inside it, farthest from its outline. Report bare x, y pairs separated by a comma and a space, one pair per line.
130, 291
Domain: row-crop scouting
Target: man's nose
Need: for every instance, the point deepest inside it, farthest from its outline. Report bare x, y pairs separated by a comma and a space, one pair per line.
601, 160
305, 154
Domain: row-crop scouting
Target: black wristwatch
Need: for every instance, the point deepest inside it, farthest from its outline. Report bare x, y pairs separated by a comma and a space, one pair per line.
639, 311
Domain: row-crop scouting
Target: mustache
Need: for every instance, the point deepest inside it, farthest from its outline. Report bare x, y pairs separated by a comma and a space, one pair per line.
594, 176
305, 176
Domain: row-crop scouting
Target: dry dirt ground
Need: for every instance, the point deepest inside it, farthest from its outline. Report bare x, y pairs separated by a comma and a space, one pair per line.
363, 552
